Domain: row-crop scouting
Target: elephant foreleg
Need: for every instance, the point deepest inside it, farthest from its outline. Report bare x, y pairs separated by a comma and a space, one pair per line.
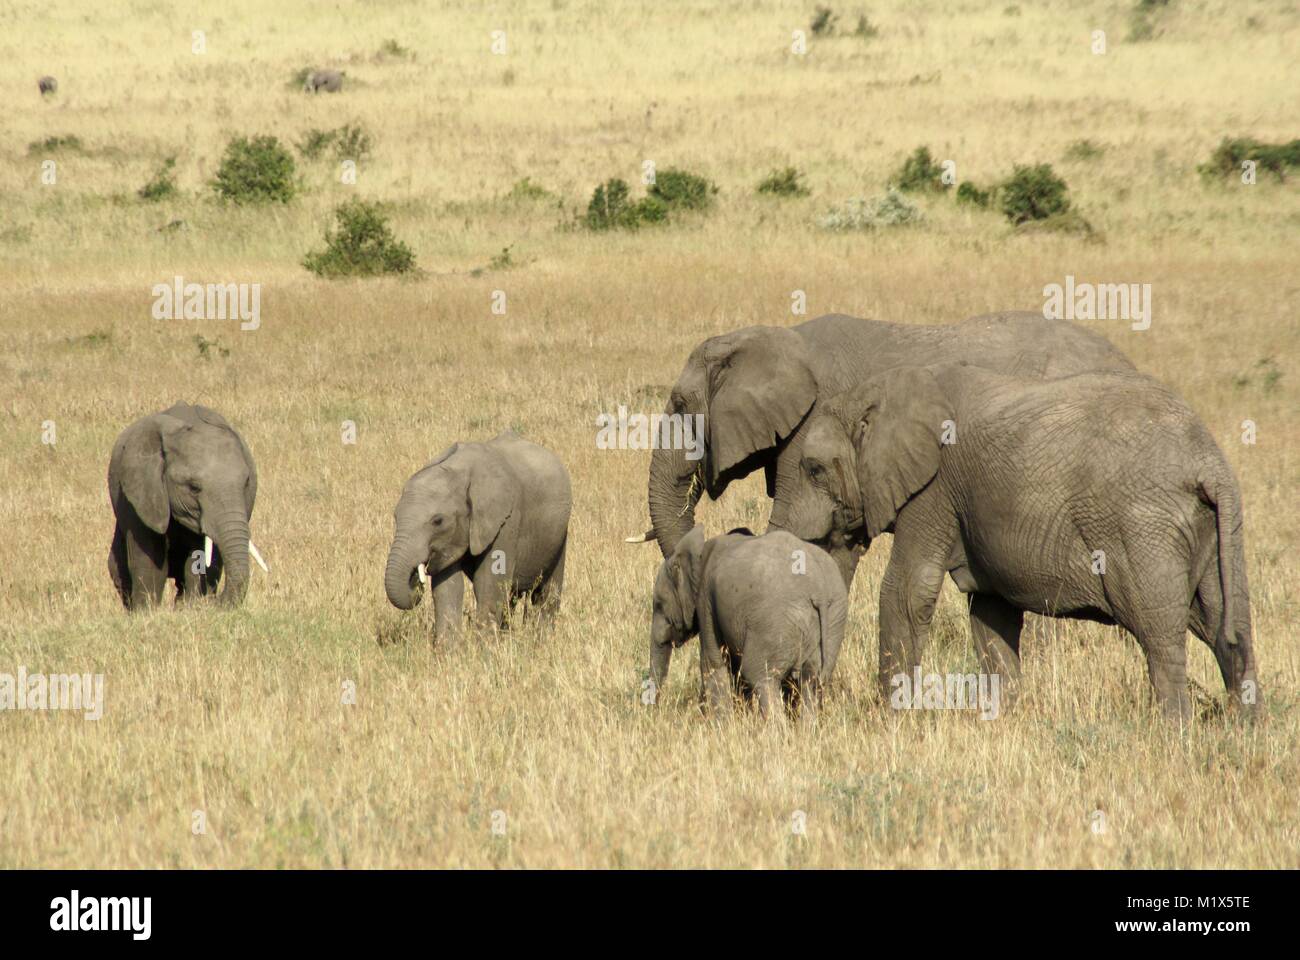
715, 675
492, 581
146, 561
448, 591
908, 593
995, 627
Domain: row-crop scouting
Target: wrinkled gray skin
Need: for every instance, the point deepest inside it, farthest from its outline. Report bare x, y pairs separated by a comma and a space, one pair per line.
1041, 476
496, 512
757, 386
769, 610
331, 81
176, 477
47, 85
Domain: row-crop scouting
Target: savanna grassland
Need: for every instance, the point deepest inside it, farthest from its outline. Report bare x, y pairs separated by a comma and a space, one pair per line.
239, 714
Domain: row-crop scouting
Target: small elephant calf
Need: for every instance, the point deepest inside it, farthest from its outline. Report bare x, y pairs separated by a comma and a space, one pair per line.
496, 512
770, 610
182, 483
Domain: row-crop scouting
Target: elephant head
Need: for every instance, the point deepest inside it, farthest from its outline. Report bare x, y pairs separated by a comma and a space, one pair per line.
453, 508
753, 387
188, 466
869, 451
676, 587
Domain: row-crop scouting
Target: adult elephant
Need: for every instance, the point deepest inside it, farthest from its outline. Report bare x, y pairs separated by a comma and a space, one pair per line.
756, 388
182, 484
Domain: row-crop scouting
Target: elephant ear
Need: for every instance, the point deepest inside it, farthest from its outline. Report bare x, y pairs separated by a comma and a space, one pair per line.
139, 465
685, 565
761, 385
897, 441
493, 492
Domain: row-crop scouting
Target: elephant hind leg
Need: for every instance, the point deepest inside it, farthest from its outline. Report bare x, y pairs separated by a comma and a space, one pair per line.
1166, 655
995, 627
809, 696
546, 598
1236, 660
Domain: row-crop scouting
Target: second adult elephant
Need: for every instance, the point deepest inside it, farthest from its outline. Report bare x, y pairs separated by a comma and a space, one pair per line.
495, 512
757, 387
1097, 497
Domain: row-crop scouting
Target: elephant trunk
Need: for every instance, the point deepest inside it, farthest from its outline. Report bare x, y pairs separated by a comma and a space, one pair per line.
675, 488
400, 582
661, 654
230, 533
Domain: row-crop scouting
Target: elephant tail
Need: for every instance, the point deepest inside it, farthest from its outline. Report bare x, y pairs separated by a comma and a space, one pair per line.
1220, 491
823, 627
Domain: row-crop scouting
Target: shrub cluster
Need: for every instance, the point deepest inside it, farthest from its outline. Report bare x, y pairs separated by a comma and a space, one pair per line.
1228, 156
784, 182
348, 142
362, 246
920, 173
674, 190
162, 184
255, 170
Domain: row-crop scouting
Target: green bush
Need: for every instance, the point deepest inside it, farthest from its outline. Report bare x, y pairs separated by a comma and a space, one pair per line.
891, 210
1033, 193
526, 191
784, 182
162, 184
362, 246
865, 28
969, 193
683, 190
1228, 156
920, 172
256, 170
349, 142
823, 21
611, 207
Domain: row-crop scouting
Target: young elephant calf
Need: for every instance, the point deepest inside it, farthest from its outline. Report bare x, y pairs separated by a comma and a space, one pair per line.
768, 609
1099, 496
496, 512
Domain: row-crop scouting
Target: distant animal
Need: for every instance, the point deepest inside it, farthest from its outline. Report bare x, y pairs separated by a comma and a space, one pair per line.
47, 85
769, 611
495, 512
182, 484
331, 81
1099, 496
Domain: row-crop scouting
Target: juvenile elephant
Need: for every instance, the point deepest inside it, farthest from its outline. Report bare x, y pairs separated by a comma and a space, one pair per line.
497, 512
757, 387
770, 610
182, 483
1098, 497
331, 81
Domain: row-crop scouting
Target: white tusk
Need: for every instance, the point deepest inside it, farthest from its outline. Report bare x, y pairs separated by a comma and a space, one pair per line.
424, 573
258, 557
207, 552
639, 538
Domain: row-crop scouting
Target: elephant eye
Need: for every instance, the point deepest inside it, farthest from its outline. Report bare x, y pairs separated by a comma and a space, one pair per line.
436, 521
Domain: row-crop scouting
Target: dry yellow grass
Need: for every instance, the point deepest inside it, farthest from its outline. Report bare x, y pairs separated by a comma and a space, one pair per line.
239, 714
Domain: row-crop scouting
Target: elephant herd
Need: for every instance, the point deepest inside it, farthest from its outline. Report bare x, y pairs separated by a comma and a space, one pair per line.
1024, 458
